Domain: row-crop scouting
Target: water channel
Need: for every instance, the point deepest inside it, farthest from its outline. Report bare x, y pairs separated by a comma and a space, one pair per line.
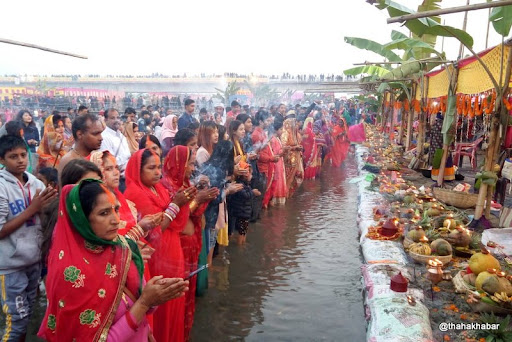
298, 277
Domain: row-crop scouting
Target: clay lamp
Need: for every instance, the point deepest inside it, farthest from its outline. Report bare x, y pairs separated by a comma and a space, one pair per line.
434, 270
399, 283
411, 300
509, 278
389, 228
423, 239
492, 271
501, 274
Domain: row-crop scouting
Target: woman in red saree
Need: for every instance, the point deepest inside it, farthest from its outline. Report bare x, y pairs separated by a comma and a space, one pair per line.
95, 288
341, 143
178, 166
310, 150
150, 196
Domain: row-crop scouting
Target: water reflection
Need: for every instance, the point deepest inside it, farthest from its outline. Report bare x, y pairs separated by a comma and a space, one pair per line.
298, 278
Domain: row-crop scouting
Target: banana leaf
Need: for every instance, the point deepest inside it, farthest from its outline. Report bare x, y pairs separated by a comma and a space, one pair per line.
501, 19
397, 35
423, 26
448, 129
370, 45
366, 69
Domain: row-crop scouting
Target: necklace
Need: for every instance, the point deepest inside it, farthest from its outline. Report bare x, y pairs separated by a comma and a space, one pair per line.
153, 190
73, 149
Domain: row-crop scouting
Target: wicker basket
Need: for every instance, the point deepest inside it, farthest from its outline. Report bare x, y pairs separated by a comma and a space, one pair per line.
460, 285
407, 242
423, 259
456, 198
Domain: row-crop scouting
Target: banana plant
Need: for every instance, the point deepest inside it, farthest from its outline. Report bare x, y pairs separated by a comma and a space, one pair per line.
224, 94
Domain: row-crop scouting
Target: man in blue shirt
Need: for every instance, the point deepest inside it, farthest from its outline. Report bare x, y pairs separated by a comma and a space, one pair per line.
186, 118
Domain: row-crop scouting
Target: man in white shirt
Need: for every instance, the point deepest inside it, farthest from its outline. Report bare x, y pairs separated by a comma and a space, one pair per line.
115, 142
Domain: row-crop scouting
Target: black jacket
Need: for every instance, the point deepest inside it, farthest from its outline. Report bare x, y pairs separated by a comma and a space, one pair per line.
30, 132
241, 203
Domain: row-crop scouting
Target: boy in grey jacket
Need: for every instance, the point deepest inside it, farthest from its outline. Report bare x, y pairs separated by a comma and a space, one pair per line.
22, 196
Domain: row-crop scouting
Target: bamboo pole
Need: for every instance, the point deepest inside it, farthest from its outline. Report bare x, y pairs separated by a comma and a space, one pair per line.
430, 60
464, 25
493, 139
450, 10
392, 120
446, 146
422, 119
39, 47
410, 118
402, 124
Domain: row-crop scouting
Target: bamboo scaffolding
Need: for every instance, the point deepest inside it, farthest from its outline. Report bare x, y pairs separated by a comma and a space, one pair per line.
39, 47
450, 10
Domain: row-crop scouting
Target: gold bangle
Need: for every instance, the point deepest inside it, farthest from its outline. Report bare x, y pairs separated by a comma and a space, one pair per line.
140, 229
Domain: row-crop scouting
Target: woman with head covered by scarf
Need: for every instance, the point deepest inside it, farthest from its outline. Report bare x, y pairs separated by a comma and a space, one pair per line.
341, 145
178, 168
51, 148
169, 130
293, 159
311, 150
150, 196
95, 288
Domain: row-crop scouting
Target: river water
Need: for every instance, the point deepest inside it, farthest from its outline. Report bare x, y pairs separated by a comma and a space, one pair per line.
298, 278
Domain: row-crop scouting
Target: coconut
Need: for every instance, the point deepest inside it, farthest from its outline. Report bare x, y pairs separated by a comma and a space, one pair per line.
416, 234
441, 247
450, 223
459, 237
433, 212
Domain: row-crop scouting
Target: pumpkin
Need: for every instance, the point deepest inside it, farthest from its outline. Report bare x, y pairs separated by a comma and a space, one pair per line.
416, 234
420, 248
481, 261
441, 247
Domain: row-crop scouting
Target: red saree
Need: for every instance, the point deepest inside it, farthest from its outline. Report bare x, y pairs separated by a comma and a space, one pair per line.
85, 282
174, 180
310, 150
341, 144
167, 260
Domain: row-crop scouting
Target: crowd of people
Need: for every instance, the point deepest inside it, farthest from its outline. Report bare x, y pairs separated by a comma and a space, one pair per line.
116, 213
284, 76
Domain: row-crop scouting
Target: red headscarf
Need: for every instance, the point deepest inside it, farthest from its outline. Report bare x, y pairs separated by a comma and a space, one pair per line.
85, 282
145, 200
175, 166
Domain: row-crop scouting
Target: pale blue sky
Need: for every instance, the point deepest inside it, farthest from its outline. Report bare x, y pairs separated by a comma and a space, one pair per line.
263, 36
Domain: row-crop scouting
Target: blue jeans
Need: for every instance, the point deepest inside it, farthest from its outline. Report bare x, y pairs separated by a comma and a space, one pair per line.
18, 294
